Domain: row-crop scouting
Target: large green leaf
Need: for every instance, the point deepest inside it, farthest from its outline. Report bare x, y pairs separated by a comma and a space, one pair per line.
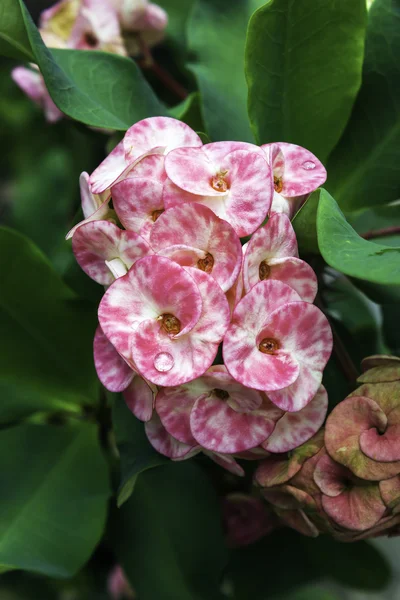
136, 452
303, 67
46, 335
97, 88
14, 41
53, 504
363, 170
217, 34
346, 251
168, 536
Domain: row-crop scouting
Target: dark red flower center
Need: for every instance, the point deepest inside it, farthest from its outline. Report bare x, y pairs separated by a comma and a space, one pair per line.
170, 323
206, 264
268, 346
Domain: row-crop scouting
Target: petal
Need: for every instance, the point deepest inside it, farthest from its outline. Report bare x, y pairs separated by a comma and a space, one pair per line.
382, 447
331, 477
241, 399
139, 398
390, 492
164, 443
114, 373
293, 429
174, 405
276, 470
96, 242
298, 395
379, 360
138, 202
94, 207
217, 427
357, 508
152, 287
192, 171
226, 462
344, 426
197, 226
161, 133
276, 239
110, 170
32, 84
303, 172
150, 167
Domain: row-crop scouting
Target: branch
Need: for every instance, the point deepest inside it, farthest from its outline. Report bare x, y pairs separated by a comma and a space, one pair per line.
385, 232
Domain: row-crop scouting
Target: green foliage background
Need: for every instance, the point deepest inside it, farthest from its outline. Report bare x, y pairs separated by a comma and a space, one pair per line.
320, 73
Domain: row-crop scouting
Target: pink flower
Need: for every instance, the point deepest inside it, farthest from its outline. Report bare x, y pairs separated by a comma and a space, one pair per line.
138, 199
117, 376
272, 254
106, 252
155, 135
32, 84
94, 207
97, 27
192, 235
165, 320
233, 179
278, 344
296, 172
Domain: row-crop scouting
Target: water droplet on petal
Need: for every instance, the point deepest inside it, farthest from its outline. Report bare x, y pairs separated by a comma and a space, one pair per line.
163, 362
308, 165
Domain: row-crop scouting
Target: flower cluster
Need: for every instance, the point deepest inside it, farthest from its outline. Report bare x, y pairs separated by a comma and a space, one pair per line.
118, 26
180, 283
345, 480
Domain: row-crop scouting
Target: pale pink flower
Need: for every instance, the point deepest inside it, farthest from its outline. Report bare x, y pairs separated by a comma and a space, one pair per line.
278, 344
118, 586
296, 173
165, 320
31, 82
272, 254
233, 179
94, 206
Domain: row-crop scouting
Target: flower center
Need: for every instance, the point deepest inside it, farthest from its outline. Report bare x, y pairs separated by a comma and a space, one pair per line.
156, 213
268, 346
221, 394
170, 323
218, 182
264, 270
206, 264
278, 184
90, 39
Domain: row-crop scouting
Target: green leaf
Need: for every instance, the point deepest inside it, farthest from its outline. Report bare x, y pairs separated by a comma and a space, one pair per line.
14, 41
189, 111
305, 225
344, 250
178, 15
136, 452
47, 335
363, 170
168, 536
97, 88
217, 35
303, 67
53, 512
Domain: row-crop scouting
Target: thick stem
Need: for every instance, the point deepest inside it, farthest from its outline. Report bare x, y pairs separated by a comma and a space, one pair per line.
384, 232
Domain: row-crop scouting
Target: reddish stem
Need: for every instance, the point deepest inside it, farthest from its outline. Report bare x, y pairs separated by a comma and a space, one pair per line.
386, 231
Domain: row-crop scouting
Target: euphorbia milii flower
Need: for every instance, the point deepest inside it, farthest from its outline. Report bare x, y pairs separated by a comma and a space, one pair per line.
32, 84
272, 254
293, 429
117, 376
155, 135
138, 199
278, 344
235, 184
169, 446
141, 21
165, 320
296, 173
192, 235
94, 207
97, 27
216, 412
106, 252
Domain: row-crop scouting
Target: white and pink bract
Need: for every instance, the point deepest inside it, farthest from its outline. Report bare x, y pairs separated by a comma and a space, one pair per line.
215, 345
